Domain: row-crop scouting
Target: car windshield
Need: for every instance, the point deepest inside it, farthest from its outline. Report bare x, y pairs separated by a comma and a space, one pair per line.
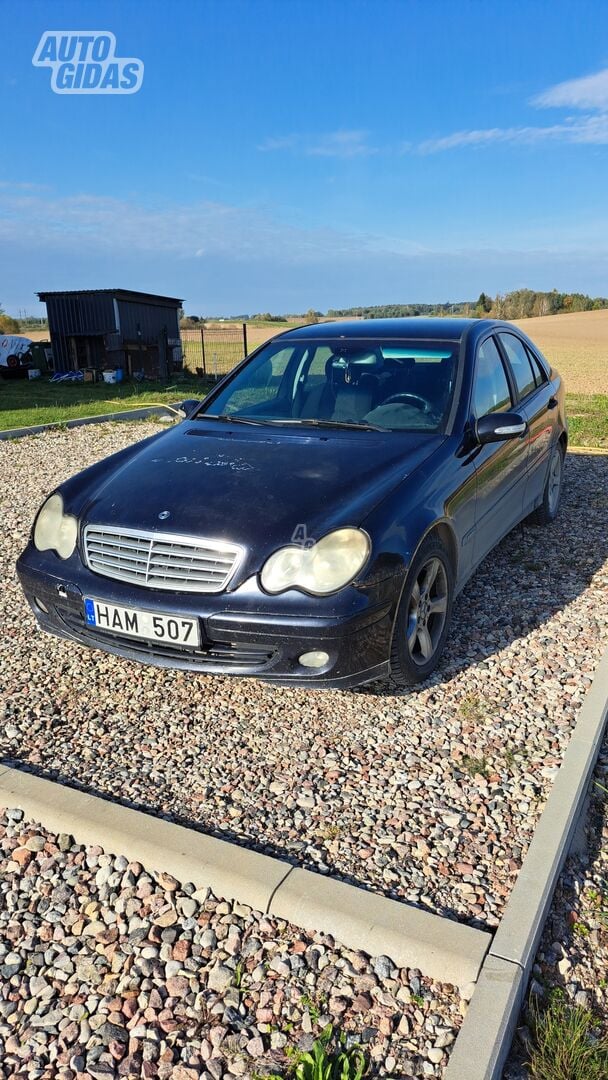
391, 385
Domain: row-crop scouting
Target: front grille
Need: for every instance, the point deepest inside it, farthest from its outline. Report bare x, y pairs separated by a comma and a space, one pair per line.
160, 560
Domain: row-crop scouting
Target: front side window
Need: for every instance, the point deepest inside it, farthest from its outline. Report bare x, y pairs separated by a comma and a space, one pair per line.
520, 364
490, 389
392, 385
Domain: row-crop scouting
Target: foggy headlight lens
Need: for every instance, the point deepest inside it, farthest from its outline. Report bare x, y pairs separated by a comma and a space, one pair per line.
326, 566
55, 530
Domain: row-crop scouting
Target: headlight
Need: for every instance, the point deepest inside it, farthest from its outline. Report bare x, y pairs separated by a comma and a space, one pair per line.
323, 568
54, 529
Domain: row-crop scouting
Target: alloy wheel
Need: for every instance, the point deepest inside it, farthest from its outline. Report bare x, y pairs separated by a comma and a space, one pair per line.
427, 611
555, 481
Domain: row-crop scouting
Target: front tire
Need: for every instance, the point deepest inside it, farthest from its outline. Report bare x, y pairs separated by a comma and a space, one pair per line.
423, 616
547, 511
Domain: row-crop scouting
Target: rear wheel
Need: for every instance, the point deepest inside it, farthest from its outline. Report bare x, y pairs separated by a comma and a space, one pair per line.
423, 616
547, 511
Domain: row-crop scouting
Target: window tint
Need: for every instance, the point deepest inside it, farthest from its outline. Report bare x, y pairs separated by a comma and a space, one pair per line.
520, 363
396, 386
315, 372
263, 385
539, 372
491, 389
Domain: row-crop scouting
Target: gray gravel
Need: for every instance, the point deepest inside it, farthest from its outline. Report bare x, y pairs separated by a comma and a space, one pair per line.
430, 796
573, 955
110, 970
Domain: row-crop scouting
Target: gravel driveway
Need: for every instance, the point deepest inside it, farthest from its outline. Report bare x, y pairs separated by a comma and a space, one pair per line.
430, 796
572, 959
108, 970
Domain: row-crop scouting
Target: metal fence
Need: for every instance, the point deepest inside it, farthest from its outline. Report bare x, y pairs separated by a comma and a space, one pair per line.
213, 351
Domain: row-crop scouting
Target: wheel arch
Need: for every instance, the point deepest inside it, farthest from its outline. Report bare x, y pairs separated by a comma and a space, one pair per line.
446, 534
563, 440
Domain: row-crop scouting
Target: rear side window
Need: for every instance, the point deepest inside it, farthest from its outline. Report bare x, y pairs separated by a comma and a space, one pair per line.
490, 390
520, 364
539, 372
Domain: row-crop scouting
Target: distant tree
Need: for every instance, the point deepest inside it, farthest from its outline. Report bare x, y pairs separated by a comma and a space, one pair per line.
8, 325
312, 316
499, 307
519, 304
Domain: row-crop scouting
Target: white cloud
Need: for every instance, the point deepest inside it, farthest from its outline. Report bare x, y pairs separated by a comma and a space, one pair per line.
336, 144
588, 129
589, 92
22, 185
105, 224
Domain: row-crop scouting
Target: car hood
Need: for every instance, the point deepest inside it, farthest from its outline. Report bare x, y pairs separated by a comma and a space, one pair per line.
254, 486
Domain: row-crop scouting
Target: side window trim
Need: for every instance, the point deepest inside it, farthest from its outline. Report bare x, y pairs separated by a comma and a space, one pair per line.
506, 369
515, 394
540, 374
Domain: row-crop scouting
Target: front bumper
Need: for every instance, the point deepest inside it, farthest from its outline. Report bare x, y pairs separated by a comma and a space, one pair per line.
242, 633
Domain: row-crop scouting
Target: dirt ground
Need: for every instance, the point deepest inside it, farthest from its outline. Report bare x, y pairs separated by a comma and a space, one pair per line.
577, 344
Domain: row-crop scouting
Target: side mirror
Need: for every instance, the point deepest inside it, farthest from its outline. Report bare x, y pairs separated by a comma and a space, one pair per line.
187, 407
498, 427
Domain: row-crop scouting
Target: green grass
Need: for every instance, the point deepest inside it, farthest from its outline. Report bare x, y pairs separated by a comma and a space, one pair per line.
475, 766
24, 403
220, 356
329, 1059
567, 1044
587, 419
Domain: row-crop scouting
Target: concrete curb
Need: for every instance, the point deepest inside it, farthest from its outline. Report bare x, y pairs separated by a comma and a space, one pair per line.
602, 451
483, 1044
442, 949
379, 926
82, 421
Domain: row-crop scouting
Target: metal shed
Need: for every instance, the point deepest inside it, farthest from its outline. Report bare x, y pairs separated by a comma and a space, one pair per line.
101, 329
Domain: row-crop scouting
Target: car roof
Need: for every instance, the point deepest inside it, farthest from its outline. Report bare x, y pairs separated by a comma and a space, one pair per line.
442, 329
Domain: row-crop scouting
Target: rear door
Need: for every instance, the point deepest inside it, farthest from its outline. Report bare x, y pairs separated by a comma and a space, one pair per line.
501, 466
535, 401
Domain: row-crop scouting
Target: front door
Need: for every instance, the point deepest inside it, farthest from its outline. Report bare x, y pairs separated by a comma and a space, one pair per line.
501, 466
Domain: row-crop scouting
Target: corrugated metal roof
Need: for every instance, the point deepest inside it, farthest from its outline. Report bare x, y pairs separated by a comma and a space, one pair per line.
120, 294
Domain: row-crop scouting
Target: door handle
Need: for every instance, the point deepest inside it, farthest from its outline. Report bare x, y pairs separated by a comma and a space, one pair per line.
552, 403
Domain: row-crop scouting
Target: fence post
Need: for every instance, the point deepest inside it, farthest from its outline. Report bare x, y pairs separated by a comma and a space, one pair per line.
245, 338
203, 349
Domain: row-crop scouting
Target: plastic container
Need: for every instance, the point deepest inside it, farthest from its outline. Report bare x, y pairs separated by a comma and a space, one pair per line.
110, 377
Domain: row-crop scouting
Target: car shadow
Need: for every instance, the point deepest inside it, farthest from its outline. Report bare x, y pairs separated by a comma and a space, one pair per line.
207, 828
534, 573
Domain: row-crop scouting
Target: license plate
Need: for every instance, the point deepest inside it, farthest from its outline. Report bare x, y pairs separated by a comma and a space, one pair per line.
168, 629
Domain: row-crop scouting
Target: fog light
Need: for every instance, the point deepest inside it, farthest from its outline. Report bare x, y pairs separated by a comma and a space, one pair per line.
314, 659
39, 603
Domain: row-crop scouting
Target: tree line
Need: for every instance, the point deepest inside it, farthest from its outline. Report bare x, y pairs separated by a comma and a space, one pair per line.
8, 325
519, 304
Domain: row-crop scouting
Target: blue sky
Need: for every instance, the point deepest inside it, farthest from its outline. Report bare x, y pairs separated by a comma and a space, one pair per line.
281, 155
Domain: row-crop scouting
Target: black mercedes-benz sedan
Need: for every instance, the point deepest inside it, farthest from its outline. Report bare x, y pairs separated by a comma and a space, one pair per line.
311, 521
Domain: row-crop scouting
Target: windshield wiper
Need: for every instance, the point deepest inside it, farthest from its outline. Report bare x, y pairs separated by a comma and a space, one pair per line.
227, 418
352, 425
